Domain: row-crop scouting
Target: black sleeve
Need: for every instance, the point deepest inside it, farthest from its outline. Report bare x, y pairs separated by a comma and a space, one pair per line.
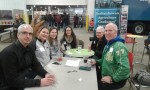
93, 45
98, 53
99, 49
9, 67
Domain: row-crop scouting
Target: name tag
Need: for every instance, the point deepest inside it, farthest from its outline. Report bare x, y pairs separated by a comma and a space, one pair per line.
42, 49
111, 49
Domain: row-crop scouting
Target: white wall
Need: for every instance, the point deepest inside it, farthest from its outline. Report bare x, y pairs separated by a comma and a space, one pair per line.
12, 4
56, 2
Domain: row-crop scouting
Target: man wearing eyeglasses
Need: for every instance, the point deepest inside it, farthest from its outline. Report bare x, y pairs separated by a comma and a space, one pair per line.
98, 43
17, 59
114, 63
97, 46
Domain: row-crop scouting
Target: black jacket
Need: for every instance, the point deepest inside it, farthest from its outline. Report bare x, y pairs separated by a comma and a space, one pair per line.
17, 23
15, 61
97, 46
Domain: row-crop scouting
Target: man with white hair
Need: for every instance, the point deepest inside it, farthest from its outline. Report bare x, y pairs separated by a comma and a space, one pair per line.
97, 46
114, 63
17, 59
98, 43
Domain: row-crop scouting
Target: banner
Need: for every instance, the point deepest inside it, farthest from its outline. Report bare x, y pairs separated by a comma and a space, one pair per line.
104, 16
124, 19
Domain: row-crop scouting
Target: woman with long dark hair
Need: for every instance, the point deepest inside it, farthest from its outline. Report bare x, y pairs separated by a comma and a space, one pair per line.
69, 39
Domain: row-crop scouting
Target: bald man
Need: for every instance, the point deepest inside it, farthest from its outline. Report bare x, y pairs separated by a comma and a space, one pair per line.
114, 64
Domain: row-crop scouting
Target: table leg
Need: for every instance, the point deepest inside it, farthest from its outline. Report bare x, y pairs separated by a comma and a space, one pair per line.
133, 45
0, 38
11, 35
149, 61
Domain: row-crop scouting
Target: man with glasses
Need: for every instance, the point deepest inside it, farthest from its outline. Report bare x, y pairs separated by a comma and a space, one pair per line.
97, 46
17, 59
114, 63
98, 43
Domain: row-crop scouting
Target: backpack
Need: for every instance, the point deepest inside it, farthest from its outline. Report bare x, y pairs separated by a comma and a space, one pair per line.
143, 77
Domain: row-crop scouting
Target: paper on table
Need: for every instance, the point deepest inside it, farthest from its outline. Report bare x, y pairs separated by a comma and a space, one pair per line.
73, 63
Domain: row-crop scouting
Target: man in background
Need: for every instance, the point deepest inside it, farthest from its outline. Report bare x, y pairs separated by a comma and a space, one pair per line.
18, 21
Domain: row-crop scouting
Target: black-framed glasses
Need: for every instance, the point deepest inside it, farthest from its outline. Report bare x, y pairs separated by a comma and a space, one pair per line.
98, 32
27, 33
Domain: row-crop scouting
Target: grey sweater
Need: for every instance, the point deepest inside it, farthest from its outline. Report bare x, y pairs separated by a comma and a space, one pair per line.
42, 52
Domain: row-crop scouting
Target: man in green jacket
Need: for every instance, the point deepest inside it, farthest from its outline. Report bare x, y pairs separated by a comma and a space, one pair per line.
114, 63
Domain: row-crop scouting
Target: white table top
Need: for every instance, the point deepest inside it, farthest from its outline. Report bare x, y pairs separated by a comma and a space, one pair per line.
80, 80
9, 29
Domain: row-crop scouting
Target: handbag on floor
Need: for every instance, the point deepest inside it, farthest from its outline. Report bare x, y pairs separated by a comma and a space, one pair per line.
142, 77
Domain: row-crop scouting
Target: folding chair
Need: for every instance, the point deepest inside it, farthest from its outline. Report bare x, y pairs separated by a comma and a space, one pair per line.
131, 79
130, 57
146, 43
81, 43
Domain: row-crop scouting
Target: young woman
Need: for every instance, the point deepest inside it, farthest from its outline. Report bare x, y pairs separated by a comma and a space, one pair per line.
42, 46
69, 39
54, 44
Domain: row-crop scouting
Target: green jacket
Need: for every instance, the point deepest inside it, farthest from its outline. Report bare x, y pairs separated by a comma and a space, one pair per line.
115, 62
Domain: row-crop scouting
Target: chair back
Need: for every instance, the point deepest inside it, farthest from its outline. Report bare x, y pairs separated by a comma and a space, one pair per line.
130, 57
81, 43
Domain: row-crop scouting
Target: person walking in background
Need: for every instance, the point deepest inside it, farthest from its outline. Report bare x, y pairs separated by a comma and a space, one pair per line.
18, 21
80, 22
52, 21
17, 59
75, 19
114, 63
91, 25
58, 20
36, 23
64, 20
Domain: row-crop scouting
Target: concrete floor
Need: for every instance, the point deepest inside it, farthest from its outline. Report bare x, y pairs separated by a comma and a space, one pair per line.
83, 35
